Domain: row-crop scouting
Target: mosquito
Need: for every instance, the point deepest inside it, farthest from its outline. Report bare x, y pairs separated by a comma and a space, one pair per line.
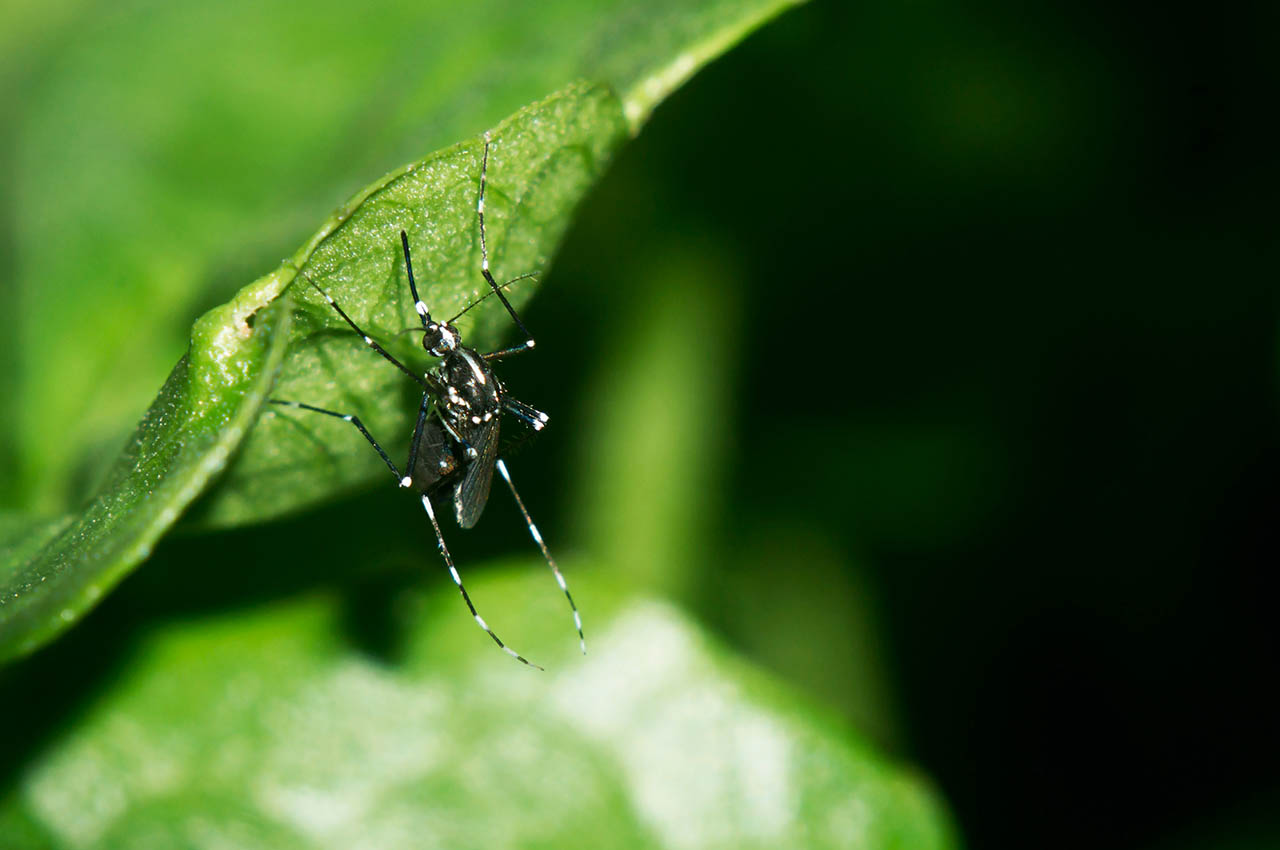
455, 446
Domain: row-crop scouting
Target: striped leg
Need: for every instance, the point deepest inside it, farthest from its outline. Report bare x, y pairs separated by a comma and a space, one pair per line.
417, 435
354, 420
536, 419
507, 352
457, 579
484, 253
546, 553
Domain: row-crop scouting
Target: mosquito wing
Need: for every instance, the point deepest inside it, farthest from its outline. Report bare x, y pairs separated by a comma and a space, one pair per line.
472, 492
435, 459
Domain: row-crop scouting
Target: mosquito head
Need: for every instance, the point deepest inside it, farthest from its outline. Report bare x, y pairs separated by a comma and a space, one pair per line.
439, 338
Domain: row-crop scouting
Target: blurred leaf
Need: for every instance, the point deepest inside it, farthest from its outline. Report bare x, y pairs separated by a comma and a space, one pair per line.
655, 449
55, 570
266, 729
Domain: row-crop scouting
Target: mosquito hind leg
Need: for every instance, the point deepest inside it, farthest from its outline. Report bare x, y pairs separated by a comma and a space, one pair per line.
466, 597
501, 466
536, 419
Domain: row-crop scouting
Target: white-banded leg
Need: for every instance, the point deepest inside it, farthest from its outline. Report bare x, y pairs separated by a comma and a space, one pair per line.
457, 579
507, 352
407, 481
484, 249
546, 553
536, 419
467, 447
354, 420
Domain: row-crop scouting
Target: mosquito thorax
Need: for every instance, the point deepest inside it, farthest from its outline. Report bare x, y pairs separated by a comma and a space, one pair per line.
472, 392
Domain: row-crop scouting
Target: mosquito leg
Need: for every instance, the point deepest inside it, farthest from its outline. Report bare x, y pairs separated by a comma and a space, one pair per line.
507, 352
471, 452
368, 340
407, 481
546, 553
484, 248
354, 420
536, 419
457, 579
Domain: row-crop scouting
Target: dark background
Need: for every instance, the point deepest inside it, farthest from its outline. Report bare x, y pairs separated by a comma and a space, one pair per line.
1002, 292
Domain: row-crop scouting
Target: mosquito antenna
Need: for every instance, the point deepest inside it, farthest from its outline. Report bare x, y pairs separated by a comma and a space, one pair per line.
467, 308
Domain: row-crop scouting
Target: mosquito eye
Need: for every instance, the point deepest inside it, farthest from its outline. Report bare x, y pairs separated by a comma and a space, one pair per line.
431, 338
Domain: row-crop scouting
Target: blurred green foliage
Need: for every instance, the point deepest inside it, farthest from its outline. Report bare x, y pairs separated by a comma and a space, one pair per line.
268, 728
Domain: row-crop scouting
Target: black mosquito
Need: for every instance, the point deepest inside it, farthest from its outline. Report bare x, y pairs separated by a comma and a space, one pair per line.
454, 450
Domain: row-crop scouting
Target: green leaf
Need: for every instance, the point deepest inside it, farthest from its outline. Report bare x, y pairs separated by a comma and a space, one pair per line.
541, 162
266, 729
57, 569
545, 158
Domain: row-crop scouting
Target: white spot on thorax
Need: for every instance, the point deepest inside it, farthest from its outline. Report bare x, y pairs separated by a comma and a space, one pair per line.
476, 369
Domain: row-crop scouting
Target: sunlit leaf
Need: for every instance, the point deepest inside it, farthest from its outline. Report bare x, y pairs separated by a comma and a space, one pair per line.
266, 729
